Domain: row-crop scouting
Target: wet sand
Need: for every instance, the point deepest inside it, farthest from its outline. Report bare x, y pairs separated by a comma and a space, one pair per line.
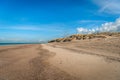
97, 59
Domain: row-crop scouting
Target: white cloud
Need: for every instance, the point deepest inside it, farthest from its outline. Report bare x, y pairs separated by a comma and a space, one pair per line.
46, 27
82, 30
91, 21
25, 28
106, 27
108, 6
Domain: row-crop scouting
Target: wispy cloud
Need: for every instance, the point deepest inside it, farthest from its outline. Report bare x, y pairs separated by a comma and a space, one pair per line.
91, 21
26, 28
106, 27
46, 27
108, 6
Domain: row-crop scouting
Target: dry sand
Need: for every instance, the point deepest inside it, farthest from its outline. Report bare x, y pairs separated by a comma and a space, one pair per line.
29, 62
97, 59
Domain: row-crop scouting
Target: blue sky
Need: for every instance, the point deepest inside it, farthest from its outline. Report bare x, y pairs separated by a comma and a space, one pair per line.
38, 20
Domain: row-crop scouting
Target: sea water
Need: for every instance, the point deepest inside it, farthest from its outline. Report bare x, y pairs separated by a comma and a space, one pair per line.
5, 44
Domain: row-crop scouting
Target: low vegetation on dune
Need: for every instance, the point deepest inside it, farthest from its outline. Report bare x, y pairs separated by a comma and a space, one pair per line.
85, 36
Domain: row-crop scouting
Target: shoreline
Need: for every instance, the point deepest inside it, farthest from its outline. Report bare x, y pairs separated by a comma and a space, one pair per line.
10, 44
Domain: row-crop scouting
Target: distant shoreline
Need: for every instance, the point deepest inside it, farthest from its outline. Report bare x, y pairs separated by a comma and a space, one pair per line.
7, 44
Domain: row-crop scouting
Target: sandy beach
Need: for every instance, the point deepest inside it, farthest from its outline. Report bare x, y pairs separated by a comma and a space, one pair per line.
97, 59
59, 39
